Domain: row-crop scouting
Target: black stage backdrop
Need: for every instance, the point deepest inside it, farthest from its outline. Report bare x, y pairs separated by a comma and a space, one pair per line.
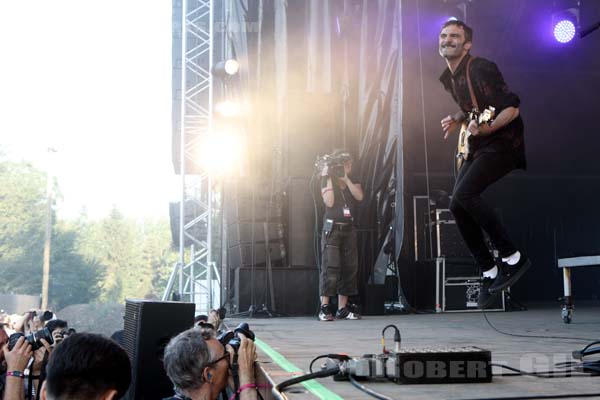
319, 75
351, 73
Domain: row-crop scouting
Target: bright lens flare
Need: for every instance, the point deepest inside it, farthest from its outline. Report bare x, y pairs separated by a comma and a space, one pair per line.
220, 153
228, 108
564, 31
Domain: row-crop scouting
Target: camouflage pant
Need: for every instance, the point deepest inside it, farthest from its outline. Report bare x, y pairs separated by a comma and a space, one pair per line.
339, 263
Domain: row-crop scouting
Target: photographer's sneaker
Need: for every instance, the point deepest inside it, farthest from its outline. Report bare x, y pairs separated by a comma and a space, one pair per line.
511, 274
346, 313
325, 314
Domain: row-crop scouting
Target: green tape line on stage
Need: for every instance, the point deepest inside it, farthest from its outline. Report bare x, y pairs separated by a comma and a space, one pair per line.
314, 387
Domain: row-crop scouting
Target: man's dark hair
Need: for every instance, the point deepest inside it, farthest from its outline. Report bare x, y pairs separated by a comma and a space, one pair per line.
56, 323
86, 366
468, 30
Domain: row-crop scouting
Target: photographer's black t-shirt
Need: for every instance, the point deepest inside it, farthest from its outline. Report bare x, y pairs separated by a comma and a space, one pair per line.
342, 198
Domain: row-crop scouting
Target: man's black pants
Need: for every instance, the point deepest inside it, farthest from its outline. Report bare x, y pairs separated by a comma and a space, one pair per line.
472, 214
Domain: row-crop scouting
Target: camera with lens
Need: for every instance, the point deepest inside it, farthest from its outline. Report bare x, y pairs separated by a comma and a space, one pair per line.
335, 162
33, 339
232, 337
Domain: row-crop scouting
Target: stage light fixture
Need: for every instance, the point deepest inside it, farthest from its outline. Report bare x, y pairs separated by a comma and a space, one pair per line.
225, 69
565, 24
564, 31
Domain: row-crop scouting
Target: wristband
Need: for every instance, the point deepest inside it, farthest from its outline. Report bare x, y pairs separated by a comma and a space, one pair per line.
247, 386
16, 374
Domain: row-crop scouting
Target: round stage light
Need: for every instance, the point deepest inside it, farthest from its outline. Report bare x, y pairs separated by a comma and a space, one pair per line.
232, 66
564, 31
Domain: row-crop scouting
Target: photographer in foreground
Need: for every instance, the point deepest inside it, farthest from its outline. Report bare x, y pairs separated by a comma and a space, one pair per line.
19, 356
339, 264
201, 367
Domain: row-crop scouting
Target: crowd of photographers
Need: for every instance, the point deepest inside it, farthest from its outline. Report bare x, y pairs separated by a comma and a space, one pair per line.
42, 358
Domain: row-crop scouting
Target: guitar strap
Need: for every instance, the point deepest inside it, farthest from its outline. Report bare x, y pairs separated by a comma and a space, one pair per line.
471, 92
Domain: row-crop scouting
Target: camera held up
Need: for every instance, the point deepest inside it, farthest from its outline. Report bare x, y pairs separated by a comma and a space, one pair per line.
335, 163
33, 339
232, 338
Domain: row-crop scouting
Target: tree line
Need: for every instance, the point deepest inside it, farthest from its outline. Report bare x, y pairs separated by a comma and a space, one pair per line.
92, 260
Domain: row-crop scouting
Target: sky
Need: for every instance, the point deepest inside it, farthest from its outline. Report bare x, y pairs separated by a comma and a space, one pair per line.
92, 80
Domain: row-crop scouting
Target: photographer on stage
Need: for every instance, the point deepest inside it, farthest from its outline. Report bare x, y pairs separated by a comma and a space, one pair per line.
339, 263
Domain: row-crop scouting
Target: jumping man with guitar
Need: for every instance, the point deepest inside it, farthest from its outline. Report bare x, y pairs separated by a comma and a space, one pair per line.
490, 146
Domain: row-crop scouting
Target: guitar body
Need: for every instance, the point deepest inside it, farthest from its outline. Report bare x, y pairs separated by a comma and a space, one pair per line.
463, 150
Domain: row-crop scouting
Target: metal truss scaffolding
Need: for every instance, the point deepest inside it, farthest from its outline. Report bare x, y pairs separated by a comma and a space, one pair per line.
195, 274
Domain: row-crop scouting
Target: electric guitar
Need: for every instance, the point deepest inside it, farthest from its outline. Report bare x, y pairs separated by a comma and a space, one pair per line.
464, 147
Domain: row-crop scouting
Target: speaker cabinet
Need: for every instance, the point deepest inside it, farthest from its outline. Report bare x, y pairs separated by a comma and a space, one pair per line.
149, 325
301, 225
296, 290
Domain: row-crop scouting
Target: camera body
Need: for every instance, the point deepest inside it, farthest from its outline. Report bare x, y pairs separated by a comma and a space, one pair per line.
335, 163
232, 338
33, 339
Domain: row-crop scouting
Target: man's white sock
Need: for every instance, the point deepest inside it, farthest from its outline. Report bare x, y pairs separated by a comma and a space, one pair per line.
491, 273
513, 259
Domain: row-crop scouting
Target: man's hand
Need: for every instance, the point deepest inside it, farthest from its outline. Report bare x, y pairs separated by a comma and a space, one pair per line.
479, 130
246, 359
18, 357
38, 357
214, 319
473, 128
449, 125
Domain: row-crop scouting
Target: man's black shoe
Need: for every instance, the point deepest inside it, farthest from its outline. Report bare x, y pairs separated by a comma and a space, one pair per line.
511, 274
485, 298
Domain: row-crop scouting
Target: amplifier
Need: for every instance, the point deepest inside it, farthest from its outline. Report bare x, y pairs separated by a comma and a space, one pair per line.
440, 365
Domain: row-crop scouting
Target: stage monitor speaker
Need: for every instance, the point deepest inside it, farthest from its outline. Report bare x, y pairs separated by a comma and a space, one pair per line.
149, 325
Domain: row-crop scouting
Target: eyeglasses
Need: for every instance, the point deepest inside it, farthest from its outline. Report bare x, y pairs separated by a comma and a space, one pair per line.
213, 363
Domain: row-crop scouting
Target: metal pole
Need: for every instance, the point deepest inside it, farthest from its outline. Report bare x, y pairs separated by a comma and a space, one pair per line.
182, 154
209, 267
47, 242
210, 197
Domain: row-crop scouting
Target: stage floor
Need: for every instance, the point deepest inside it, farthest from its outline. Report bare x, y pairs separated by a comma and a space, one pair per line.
298, 340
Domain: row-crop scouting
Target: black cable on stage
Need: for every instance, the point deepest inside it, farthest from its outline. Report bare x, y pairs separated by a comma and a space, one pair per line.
368, 391
551, 396
341, 357
319, 374
531, 336
545, 374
